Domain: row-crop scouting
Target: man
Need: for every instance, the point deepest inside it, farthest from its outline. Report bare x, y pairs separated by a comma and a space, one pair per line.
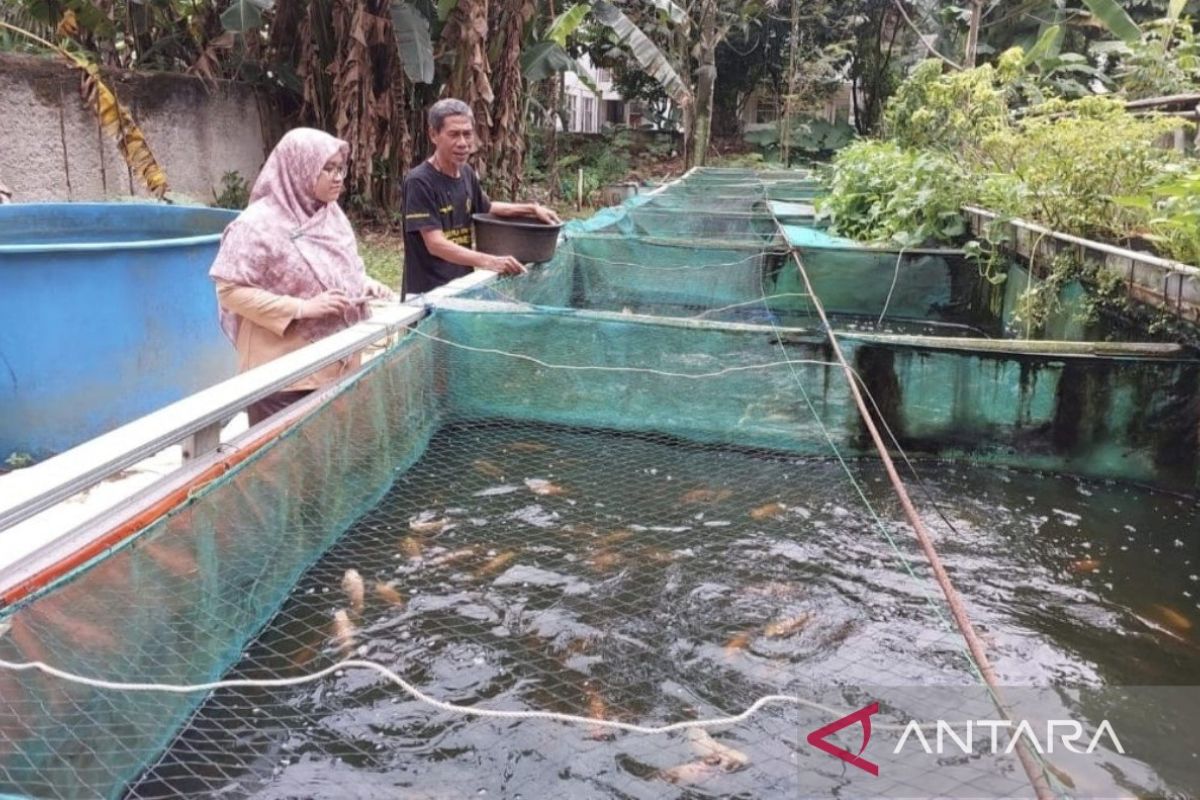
440, 195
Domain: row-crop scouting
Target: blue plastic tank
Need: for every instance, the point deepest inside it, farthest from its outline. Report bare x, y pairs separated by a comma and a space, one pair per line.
106, 313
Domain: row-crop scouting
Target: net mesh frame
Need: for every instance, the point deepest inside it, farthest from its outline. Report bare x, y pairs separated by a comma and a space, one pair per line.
226, 593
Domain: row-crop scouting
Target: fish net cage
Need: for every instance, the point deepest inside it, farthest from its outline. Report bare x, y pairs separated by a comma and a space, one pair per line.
529, 510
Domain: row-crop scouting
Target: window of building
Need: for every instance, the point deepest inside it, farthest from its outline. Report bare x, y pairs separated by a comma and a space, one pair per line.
767, 109
589, 115
572, 111
614, 112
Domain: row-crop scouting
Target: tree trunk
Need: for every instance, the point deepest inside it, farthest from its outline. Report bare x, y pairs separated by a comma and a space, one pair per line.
973, 33
506, 156
706, 79
785, 122
463, 42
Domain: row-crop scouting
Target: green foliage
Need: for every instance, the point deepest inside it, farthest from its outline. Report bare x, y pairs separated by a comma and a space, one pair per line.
946, 110
1066, 164
1173, 206
1164, 60
809, 138
235, 192
881, 192
383, 257
740, 161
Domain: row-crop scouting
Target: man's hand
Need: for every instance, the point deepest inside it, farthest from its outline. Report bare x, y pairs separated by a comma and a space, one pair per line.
505, 265
546, 215
326, 304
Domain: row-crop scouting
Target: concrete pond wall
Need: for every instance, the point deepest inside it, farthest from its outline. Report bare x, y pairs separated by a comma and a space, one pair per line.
51, 146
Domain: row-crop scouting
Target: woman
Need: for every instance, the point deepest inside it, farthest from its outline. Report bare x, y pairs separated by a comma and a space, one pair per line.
288, 272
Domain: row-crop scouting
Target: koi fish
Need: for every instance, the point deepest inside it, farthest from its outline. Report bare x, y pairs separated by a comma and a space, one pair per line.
613, 538
737, 643
604, 562
344, 632
412, 548
388, 594
496, 564
768, 511
787, 627
428, 527
352, 585
1084, 565
658, 556
1173, 618
706, 496
712, 751
696, 772
453, 557
487, 468
544, 488
597, 710
528, 447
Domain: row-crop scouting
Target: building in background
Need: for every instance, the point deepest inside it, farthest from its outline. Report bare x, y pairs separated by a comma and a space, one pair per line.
586, 112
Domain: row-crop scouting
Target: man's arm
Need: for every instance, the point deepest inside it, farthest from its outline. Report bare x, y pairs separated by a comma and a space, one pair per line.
537, 210
441, 247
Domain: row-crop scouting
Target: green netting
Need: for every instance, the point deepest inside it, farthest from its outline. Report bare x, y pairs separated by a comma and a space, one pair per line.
643, 519
178, 604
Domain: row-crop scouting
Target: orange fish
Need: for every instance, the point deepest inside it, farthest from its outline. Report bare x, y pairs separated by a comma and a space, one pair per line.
787, 627
528, 447
453, 557
706, 496
428, 527
605, 561
496, 564
352, 585
712, 751
613, 538
1172, 618
658, 556
1084, 565
544, 488
487, 469
597, 710
412, 548
768, 511
388, 594
344, 632
692, 773
737, 643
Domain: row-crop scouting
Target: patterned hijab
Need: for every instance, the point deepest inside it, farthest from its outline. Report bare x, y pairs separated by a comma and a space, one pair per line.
288, 242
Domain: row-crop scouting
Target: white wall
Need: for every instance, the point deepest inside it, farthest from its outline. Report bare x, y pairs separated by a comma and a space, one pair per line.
586, 112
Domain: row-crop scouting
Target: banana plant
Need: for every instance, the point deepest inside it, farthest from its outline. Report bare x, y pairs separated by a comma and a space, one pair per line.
1158, 57
549, 56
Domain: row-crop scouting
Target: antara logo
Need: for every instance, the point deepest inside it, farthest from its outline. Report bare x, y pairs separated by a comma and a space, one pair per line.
962, 737
861, 717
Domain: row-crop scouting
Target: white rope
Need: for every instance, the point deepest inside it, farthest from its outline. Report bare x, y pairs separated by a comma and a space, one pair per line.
615, 263
895, 278
757, 301
417, 694
641, 370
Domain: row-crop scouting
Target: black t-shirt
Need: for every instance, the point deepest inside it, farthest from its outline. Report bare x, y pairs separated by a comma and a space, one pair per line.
432, 199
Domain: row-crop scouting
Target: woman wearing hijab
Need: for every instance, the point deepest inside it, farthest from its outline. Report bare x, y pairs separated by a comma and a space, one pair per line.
288, 272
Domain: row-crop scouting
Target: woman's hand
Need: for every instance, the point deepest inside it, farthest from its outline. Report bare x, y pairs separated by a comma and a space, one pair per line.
326, 304
379, 290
